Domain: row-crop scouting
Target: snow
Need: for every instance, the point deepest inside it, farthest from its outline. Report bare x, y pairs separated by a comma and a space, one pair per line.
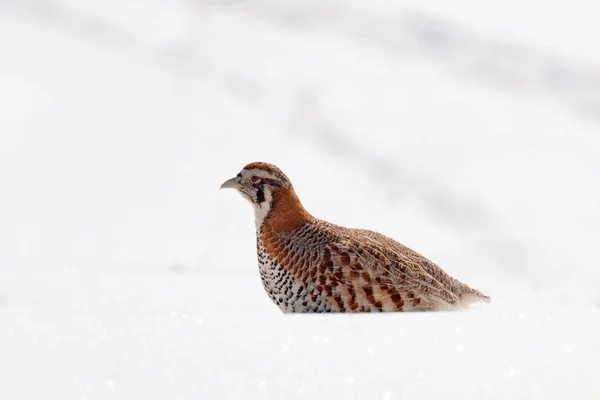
467, 131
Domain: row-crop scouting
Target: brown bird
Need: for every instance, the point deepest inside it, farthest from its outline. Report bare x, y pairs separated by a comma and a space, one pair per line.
310, 265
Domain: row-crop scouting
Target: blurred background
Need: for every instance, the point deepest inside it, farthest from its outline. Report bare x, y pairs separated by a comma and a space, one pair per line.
469, 131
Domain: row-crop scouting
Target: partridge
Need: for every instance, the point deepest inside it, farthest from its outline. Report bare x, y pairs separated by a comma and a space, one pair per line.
311, 265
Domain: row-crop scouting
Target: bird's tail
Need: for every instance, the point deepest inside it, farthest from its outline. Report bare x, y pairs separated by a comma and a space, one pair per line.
469, 296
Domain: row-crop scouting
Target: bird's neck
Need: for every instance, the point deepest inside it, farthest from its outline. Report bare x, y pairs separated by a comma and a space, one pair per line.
282, 213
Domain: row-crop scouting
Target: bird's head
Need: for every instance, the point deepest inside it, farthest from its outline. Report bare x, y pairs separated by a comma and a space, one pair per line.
262, 184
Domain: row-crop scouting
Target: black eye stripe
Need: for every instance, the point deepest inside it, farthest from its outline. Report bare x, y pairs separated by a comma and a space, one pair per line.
272, 182
259, 180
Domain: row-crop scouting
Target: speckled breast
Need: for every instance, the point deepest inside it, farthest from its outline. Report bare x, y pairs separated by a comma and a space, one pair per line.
284, 290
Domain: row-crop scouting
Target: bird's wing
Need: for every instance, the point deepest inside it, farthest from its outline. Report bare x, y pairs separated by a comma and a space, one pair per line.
388, 274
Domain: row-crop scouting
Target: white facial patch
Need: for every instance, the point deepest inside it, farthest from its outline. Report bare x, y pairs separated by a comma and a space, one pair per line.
261, 210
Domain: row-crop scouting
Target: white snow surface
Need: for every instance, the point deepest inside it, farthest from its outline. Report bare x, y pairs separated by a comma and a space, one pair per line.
469, 131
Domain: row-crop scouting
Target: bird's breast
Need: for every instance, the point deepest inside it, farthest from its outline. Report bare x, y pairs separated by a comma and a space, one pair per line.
289, 293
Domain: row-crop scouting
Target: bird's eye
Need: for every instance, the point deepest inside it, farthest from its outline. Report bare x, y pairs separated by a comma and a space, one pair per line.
254, 179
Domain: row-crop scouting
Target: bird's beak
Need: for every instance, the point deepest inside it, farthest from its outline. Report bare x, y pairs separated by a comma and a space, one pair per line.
233, 183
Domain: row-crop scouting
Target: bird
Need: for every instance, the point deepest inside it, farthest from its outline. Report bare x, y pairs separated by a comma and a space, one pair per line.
309, 265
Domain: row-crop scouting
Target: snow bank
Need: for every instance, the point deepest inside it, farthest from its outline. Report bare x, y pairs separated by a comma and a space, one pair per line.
467, 132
